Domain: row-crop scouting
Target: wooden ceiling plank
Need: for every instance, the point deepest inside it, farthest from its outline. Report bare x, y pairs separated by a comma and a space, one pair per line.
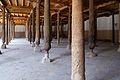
16, 2
10, 2
102, 5
4, 3
23, 2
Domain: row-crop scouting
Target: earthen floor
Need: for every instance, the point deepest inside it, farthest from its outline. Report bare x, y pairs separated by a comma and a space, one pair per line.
20, 62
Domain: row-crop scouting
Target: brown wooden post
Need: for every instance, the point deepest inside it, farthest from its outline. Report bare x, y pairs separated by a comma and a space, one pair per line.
58, 28
37, 36
3, 30
47, 32
69, 29
26, 29
10, 29
91, 37
33, 28
119, 29
7, 30
13, 30
55, 30
42, 30
113, 28
78, 49
30, 29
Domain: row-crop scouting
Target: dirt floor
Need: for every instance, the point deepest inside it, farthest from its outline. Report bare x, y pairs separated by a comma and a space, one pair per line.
20, 62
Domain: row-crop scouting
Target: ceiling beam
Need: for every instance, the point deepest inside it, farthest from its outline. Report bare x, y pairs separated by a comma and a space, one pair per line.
18, 7
10, 2
16, 2
102, 5
4, 3
23, 2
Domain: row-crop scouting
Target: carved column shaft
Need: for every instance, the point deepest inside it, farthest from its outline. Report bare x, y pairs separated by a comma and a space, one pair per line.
7, 30
69, 29
3, 26
78, 54
58, 28
47, 26
37, 38
33, 26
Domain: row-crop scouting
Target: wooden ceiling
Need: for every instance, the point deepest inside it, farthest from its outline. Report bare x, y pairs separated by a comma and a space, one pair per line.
21, 9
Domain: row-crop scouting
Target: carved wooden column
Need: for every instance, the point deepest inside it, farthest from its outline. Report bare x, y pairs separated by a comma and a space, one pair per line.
47, 32
55, 30
78, 53
69, 29
37, 36
13, 30
7, 30
58, 28
61, 30
91, 35
113, 28
26, 29
33, 28
3, 30
30, 30
119, 29
42, 30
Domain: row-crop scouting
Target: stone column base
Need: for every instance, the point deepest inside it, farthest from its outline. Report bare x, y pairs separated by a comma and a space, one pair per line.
33, 44
46, 59
3, 46
37, 49
0, 52
91, 54
118, 50
68, 46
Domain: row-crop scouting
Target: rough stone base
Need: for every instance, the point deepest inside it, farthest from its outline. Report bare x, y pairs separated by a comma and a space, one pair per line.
46, 59
68, 46
3, 46
118, 50
0, 52
33, 44
91, 54
37, 49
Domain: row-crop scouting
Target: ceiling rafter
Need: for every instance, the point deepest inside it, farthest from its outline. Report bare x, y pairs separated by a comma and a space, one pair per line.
10, 2
16, 2
23, 2
102, 5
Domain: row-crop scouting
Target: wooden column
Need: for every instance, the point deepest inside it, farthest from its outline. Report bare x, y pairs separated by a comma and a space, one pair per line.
55, 30
26, 29
7, 30
33, 28
37, 38
78, 53
91, 37
47, 32
30, 30
113, 28
119, 29
61, 30
42, 29
3, 30
69, 29
58, 28
13, 30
